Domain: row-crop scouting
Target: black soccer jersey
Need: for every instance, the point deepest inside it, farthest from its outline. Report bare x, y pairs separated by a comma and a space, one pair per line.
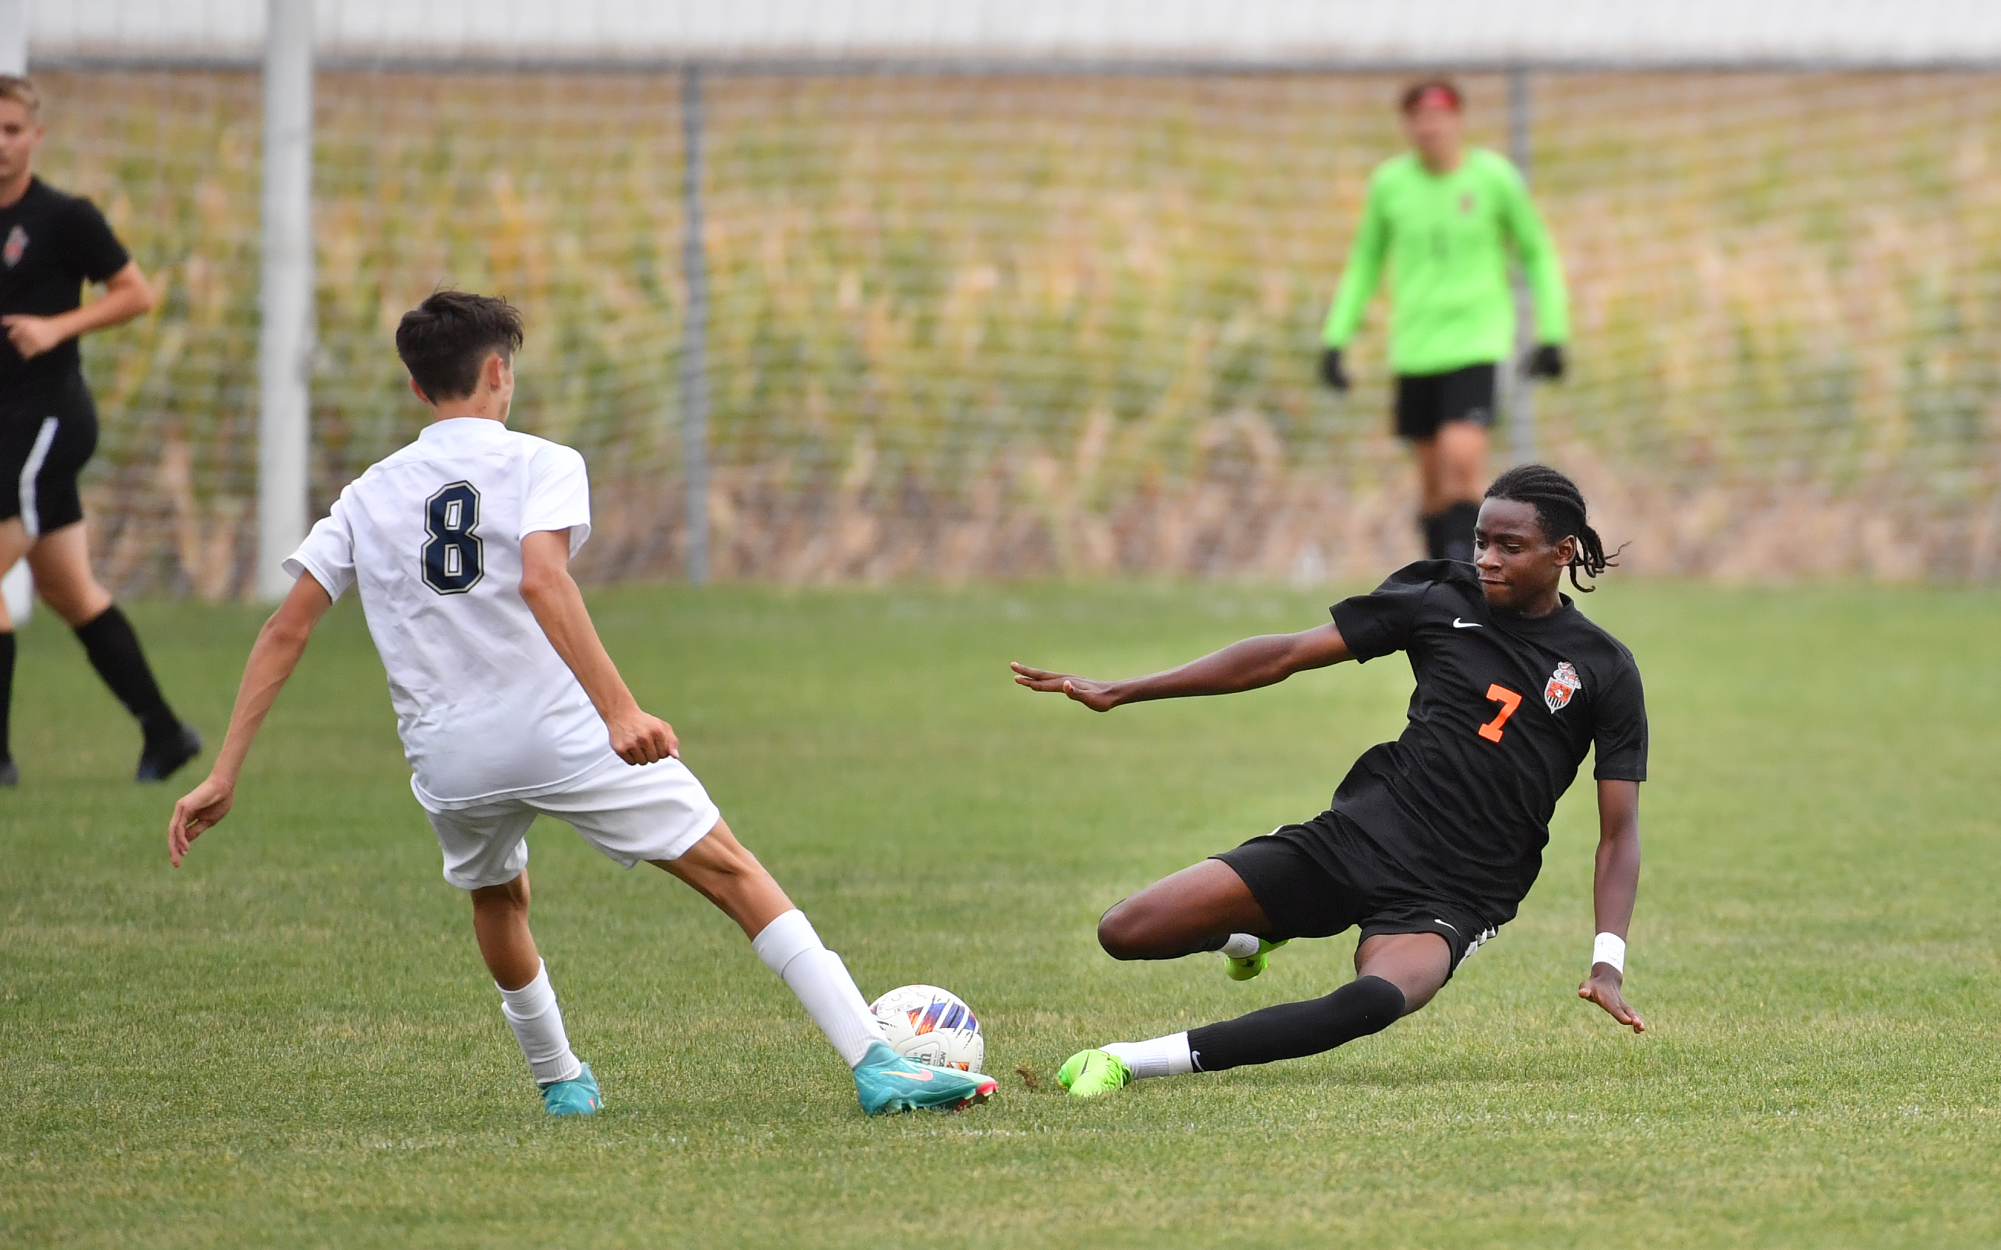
50, 245
1504, 710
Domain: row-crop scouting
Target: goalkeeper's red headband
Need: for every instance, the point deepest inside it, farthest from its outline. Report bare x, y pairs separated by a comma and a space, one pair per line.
1432, 95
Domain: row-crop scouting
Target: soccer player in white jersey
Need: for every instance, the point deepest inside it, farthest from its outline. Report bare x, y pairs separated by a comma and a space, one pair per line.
509, 706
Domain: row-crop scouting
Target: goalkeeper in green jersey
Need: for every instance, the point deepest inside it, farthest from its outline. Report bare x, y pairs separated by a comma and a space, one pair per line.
1443, 216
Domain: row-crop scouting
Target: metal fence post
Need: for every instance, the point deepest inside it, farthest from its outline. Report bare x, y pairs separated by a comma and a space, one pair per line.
1521, 392
694, 333
285, 332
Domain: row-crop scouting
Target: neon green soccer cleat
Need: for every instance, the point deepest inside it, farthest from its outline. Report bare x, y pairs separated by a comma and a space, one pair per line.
1245, 969
576, 1096
1089, 1073
886, 1081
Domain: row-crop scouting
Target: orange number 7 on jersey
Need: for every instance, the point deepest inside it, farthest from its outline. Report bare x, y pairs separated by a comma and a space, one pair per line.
1509, 701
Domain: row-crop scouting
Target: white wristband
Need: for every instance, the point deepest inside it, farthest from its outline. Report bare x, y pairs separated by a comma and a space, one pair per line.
1610, 948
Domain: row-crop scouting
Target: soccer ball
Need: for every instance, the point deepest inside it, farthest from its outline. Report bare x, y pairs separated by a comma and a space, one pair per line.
931, 1025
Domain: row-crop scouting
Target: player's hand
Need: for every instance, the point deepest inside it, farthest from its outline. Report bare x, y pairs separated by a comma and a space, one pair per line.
199, 810
1096, 695
1331, 371
31, 335
1545, 361
639, 738
1603, 987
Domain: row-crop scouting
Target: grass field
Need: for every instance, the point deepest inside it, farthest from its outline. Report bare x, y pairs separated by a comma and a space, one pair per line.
291, 1040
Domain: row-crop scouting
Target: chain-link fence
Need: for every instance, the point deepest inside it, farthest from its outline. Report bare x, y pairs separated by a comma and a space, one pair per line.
1007, 325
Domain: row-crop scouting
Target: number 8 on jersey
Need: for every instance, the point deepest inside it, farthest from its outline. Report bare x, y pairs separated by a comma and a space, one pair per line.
453, 556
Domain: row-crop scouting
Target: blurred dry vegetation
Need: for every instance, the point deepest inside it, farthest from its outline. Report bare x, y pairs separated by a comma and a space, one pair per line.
974, 327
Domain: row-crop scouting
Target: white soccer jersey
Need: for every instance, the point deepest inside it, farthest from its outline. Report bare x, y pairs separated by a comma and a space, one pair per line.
432, 535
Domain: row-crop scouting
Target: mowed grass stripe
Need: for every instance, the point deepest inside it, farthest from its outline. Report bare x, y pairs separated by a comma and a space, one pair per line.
291, 1039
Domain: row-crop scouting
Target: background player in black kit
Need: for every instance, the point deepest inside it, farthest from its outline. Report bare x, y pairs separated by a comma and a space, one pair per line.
50, 245
1432, 840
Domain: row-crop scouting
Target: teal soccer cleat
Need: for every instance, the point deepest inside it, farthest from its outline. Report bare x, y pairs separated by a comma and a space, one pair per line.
577, 1096
887, 1082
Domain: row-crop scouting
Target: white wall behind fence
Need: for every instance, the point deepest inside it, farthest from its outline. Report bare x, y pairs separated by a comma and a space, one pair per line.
1856, 31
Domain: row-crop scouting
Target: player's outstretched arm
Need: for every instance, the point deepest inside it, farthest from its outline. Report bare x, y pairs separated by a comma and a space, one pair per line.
1261, 661
1615, 886
552, 595
279, 645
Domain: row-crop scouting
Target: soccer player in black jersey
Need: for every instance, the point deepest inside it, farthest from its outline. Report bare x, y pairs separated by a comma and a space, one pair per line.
50, 245
1431, 841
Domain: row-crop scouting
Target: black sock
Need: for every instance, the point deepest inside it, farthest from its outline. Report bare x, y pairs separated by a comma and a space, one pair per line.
6, 694
1293, 1030
1455, 526
1448, 535
114, 652
1434, 534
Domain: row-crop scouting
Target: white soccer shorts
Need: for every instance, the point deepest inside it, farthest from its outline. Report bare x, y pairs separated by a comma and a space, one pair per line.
630, 812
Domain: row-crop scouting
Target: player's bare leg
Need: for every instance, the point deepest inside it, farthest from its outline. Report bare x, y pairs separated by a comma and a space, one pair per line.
1452, 475
13, 545
724, 871
1204, 907
1416, 963
1451, 465
61, 564
500, 923
528, 1001
1196, 909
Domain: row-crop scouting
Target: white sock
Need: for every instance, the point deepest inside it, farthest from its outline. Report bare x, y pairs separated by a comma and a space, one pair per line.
537, 1022
1163, 1056
789, 947
1241, 946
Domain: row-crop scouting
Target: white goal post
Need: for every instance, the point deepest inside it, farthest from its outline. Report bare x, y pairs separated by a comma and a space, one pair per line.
285, 332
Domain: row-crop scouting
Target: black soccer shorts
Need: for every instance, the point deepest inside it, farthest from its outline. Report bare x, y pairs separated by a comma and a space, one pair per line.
1426, 401
45, 440
1313, 893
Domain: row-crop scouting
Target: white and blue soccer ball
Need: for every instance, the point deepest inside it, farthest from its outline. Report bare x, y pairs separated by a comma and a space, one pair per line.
933, 1026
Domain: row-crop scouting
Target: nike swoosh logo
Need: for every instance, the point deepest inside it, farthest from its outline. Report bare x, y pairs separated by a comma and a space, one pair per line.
1436, 920
923, 1076
1459, 624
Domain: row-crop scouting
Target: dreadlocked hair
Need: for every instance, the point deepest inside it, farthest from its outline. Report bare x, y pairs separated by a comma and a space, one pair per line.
1559, 508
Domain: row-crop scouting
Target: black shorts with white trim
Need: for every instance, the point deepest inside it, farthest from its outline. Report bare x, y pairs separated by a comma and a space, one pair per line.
1314, 880
47, 435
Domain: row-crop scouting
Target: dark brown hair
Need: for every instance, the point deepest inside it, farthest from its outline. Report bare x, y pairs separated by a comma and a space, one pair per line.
444, 341
1416, 92
1559, 509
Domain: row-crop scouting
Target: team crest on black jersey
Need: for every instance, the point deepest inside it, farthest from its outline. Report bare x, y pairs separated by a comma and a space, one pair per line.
17, 243
1562, 684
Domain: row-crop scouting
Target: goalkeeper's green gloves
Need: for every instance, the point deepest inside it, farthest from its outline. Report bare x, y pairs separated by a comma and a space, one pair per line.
1545, 361
1331, 371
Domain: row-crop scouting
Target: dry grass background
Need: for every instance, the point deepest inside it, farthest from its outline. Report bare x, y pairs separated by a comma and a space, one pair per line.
970, 327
